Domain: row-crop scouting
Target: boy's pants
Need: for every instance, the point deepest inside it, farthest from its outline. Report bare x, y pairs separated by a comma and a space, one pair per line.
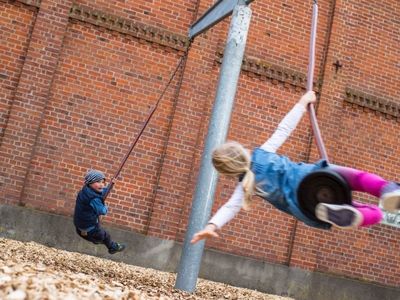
97, 236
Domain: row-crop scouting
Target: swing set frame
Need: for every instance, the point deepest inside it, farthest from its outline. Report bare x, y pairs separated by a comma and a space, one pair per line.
336, 189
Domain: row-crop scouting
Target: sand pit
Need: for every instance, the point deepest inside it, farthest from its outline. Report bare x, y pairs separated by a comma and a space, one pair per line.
33, 271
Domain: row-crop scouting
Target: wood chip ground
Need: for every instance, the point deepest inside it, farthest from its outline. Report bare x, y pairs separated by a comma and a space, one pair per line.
36, 272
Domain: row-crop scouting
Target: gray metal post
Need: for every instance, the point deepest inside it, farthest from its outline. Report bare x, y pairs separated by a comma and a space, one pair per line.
218, 127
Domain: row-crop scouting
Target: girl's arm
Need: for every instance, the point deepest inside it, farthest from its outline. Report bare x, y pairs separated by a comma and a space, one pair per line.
229, 210
289, 123
226, 213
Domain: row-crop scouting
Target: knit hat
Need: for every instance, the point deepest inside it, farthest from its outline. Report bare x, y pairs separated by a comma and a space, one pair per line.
94, 176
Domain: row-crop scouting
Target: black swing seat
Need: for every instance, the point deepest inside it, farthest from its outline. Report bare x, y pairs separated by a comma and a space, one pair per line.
324, 186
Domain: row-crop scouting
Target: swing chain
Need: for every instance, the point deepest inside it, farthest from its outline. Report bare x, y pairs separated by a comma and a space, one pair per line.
113, 179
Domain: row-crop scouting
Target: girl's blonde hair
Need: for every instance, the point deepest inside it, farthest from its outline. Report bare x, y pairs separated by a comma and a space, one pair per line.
232, 159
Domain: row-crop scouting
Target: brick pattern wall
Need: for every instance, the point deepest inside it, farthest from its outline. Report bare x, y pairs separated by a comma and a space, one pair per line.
31, 97
16, 24
79, 78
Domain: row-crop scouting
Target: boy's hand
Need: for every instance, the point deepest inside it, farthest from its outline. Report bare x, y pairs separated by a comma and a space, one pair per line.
308, 98
207, 232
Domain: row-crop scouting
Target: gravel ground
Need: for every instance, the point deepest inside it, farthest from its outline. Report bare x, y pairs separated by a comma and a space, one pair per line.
33, 271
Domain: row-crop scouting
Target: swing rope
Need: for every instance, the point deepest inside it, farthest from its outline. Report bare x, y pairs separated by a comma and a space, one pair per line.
310, 79
311, 111
125, 158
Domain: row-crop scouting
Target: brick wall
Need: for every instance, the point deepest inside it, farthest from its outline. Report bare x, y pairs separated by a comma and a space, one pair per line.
16, 23
79, 78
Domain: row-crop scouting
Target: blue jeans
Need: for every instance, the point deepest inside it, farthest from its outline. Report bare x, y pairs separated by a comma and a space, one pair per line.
97, 236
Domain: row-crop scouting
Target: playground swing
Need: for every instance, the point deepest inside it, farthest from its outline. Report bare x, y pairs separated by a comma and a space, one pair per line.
324, 185
125, 158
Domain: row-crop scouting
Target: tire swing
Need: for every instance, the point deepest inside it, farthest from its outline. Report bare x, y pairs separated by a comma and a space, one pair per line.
323, 185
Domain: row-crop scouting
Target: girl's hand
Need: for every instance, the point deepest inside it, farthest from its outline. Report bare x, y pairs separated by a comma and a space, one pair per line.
207, 232
308, 98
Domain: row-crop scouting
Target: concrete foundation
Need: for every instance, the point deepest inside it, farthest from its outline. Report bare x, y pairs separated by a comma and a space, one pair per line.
58, 231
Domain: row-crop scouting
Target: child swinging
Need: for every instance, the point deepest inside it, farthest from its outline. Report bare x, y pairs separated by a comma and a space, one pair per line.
89, 207
276, 179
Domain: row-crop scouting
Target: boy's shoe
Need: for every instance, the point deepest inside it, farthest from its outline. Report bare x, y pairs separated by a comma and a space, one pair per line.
117, 248
390, 201
344, 216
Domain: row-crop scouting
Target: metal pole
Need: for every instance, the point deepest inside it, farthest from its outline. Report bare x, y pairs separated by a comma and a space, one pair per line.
189, 265
310, 80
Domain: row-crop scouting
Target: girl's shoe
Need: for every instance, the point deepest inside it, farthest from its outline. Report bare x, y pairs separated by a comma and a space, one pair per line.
344, 216
390, 201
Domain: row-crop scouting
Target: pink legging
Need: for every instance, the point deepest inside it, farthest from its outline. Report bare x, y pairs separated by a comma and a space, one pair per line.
361, 181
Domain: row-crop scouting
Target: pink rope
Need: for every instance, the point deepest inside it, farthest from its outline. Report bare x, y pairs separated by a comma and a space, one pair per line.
310, 80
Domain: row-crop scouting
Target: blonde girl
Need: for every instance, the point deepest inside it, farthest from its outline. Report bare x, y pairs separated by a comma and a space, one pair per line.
275, 178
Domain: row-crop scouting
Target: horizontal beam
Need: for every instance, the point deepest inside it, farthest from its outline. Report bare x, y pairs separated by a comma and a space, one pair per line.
216, 13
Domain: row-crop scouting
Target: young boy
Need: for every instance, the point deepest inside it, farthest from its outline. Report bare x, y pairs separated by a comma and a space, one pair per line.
89, 207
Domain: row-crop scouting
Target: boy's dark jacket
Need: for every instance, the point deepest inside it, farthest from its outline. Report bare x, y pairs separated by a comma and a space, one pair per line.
85, 216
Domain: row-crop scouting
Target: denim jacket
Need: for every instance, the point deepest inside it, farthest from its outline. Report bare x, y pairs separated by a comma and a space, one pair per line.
278, 179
